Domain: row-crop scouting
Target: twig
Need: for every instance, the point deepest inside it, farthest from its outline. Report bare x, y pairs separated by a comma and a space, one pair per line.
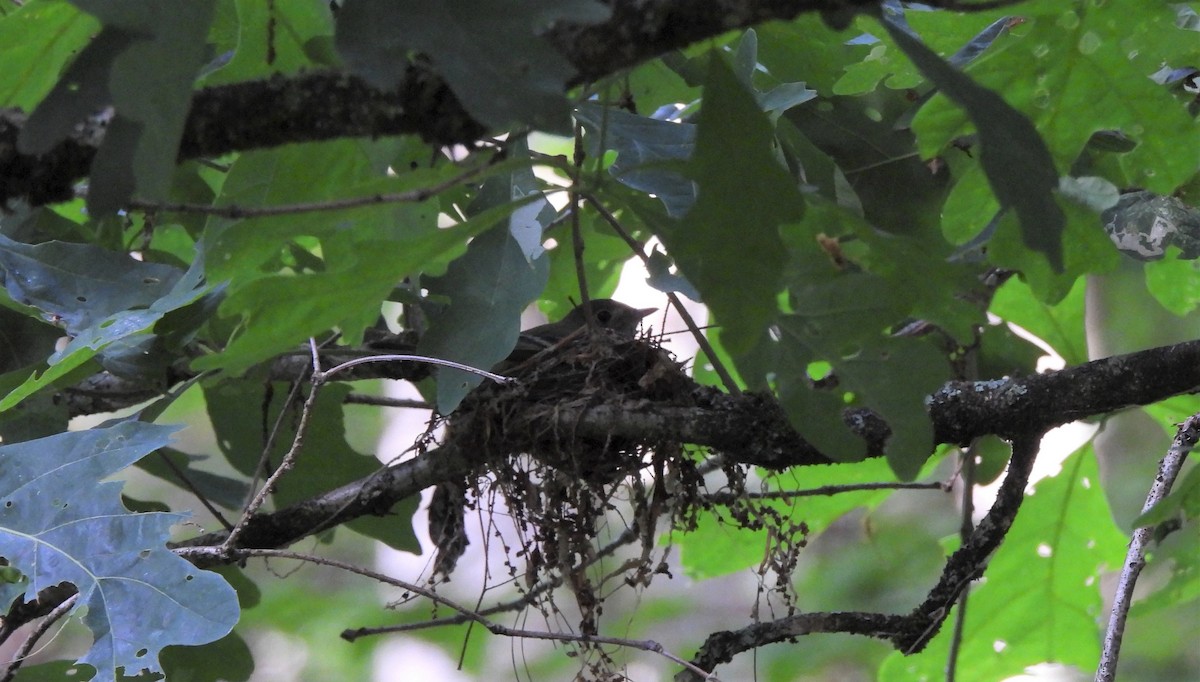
264, 459
956, 6
27, 646
1135, 558
547, 583
908, 633
384, 401
494, 628
966, 528
726, 378
825, 490
289, 459
585, 299
324, 376
239, 212
187, 483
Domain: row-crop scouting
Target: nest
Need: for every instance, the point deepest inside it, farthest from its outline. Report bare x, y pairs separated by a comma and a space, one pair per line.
558, 483
526, 416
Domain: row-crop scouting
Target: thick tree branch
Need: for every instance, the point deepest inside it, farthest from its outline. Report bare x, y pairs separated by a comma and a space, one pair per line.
751, 429
330, 105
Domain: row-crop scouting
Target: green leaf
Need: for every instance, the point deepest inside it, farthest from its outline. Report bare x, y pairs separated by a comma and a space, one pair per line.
139, 596
804, 50
1018, 165
744, 195
489, 51
1040, 598
1086, 249
1060, 325
274, 38
1091, 68
648, 153
364, 250
107, 301
488, 287
39, 39
1174, 282
155, 47
892, 376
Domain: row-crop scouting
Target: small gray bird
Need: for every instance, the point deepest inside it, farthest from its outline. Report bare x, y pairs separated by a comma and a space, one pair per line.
609, 314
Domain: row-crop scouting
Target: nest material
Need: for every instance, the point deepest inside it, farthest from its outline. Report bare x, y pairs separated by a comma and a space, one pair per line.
498, 421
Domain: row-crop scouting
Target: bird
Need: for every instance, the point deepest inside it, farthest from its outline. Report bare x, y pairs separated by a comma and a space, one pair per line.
620, 319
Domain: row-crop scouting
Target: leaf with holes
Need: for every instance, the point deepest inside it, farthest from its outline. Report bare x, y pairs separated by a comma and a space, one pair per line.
103, 299
60, 523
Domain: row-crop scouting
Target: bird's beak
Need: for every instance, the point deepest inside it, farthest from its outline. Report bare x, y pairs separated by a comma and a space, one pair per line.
643, 312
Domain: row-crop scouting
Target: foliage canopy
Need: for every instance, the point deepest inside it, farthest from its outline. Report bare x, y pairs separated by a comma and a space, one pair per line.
235, 213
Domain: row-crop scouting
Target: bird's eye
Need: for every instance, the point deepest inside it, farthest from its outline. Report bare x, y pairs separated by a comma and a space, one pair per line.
603, 316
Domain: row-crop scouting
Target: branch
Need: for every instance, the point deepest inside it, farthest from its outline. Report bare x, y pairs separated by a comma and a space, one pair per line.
752, 429
320, 106
371, 496
1135, 559
912, 632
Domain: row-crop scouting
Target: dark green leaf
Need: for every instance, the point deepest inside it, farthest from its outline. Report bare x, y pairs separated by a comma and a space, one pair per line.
1019, 167
170, 464
489, 51
228, 659
488, 287
79, 284
107, 301
155, 47
646, 149
664, 280
744, 196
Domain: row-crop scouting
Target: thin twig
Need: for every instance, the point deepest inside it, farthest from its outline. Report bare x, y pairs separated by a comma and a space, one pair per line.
546, 584
494, 628
187, 483
956, 6
239, 212
289, 459
1135, 558
324, 376
585, 300
726, 378
825, 490
384, 401
966, 528
41, 629
264, 459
